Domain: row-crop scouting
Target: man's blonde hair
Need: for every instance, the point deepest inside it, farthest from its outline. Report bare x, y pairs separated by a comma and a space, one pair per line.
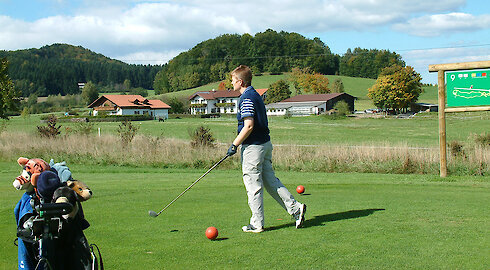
243, 73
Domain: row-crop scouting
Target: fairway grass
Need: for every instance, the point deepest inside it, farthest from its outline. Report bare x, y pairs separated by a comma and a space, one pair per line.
354, 221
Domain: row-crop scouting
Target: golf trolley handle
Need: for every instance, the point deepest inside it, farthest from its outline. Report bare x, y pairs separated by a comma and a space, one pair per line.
54, 209
195, 182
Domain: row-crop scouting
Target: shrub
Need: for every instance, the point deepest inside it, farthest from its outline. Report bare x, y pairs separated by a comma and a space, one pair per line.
83, 128
483, 139
202, 136
342, 108
127, 131
457, 150
50, 130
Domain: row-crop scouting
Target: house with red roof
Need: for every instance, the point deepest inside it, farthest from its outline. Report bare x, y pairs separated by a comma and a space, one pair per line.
217, 101
130, 105
309, 104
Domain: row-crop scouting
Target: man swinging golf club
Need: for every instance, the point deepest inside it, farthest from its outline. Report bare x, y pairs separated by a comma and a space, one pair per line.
256, 154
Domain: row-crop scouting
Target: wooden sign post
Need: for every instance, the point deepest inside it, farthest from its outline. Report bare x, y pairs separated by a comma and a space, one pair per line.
462, 87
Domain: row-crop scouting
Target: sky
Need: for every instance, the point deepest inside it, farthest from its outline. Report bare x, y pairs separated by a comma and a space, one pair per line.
423, 32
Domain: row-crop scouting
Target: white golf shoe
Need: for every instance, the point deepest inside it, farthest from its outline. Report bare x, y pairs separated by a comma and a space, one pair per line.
251, 228
299, 216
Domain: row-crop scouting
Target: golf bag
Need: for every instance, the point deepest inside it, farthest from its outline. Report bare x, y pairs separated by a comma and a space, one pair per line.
46, 240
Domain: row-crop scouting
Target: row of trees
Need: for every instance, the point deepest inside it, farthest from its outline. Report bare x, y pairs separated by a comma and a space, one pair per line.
396, 87
56, 69
9, 97
304, 81
269, 51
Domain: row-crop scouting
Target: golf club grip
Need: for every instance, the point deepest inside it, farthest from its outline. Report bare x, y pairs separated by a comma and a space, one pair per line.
195, 182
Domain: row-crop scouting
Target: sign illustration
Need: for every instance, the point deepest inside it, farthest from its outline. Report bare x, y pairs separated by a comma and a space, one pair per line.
467, 88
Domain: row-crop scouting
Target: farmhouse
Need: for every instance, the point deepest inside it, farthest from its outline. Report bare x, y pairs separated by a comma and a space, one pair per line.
130, 105
309, 104
221, 101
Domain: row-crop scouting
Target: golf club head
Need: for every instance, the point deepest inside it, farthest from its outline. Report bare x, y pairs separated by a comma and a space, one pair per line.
152, 213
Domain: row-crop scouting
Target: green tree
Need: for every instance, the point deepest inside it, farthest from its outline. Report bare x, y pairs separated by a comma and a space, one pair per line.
338, 86
396, 88
278, 91
342, 108
89, 93
25, 113
139, 91
127, 85
9, 97
177, 106
367, 63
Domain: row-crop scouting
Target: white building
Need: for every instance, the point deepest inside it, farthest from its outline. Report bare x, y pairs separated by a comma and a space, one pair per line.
309, 104
130, 105
296, 108
221, 101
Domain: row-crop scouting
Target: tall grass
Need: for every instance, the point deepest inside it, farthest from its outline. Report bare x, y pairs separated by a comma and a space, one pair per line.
175, 153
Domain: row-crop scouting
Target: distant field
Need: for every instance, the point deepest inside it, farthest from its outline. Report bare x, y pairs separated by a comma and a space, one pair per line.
422, 130
353, 86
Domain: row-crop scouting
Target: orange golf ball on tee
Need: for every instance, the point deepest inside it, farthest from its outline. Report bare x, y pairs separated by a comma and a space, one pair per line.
300, 189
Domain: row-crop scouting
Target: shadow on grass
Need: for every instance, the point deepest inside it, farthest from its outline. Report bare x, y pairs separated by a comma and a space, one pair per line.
321, 220
221, 239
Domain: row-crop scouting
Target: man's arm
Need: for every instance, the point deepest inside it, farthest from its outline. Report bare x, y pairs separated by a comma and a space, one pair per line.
248, 125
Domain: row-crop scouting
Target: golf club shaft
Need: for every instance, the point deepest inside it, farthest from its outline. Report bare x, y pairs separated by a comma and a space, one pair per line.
195, 182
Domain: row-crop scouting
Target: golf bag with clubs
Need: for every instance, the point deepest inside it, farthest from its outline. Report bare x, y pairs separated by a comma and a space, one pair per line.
48, 237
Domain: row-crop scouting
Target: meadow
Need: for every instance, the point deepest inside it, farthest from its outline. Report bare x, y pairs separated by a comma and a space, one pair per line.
354, 220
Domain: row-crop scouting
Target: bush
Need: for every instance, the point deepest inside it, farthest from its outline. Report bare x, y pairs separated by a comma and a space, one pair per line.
342, 108
483, 140
457, 150
127, 131
202, 136
50, 130
83, 128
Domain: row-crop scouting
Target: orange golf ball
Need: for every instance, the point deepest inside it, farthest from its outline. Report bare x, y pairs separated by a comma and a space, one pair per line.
300, 189
211, 233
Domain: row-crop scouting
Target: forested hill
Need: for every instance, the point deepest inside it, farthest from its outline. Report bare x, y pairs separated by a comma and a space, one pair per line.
269, 51
56, 69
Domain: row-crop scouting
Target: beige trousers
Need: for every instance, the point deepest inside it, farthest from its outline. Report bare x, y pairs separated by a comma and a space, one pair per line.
258, 173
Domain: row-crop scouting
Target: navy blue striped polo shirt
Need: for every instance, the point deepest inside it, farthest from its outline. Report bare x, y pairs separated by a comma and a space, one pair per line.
252, 105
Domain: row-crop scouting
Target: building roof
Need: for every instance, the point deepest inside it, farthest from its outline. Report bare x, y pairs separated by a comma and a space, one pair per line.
314, 97
126, 101
214, 94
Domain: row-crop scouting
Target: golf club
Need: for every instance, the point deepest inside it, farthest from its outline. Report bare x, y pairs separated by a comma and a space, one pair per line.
155, 214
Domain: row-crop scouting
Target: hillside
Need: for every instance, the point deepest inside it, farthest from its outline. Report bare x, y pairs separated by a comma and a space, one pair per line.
56, 69
266, 52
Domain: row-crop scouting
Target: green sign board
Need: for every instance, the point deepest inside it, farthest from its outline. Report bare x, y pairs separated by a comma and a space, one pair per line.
468, 88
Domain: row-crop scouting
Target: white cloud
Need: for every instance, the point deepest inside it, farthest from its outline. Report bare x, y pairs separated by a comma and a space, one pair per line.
443, 24
148, 57
155, 31
421, 59
181, 24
